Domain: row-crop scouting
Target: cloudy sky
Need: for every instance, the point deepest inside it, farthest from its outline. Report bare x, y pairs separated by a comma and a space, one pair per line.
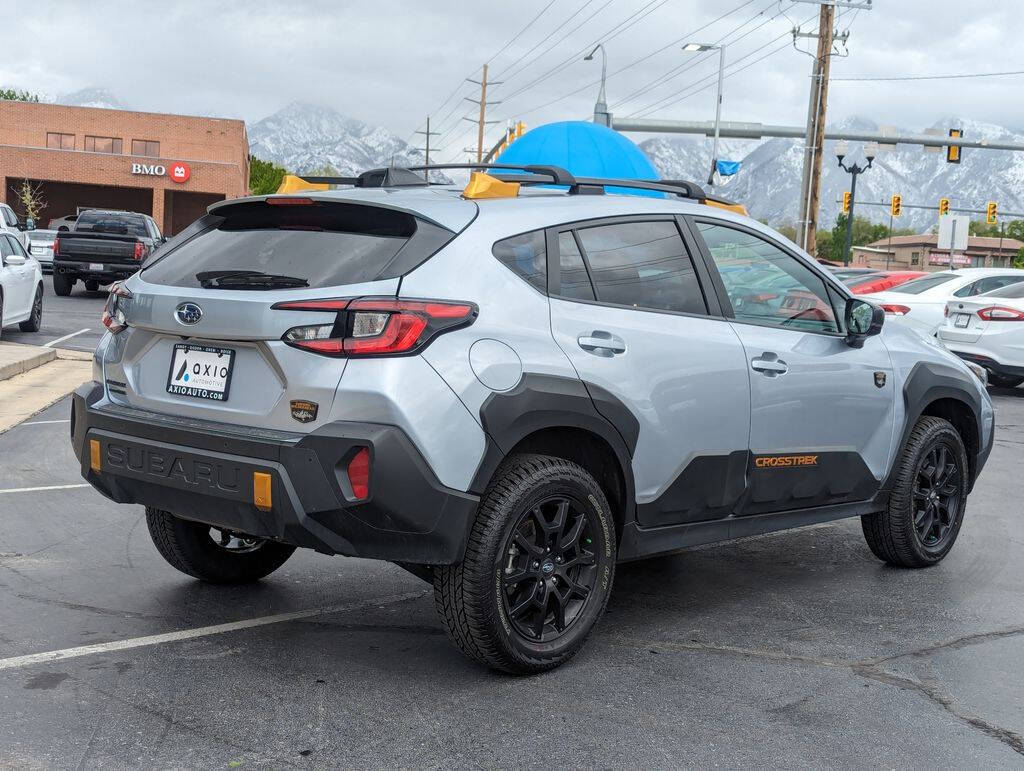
392, 62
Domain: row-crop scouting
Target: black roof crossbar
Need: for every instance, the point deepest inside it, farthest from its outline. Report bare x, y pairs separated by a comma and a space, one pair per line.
536, 174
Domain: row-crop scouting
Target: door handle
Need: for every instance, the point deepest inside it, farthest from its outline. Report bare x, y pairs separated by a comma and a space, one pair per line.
601, 343
769, 364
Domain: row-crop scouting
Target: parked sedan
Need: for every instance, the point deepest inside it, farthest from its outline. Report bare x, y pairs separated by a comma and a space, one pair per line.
921, 303
881, 281
989, 330
21, 286
40, 244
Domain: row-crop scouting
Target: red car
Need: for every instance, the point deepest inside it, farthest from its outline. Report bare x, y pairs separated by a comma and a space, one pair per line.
879, 282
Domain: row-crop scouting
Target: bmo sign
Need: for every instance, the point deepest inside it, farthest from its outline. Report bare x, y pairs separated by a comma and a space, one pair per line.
178, 172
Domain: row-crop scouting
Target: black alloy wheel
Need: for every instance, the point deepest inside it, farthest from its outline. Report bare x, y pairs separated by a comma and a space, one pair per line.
936, 496
35, 321
551, 568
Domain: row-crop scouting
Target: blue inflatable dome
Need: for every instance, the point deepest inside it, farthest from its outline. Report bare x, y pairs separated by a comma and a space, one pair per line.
585, 150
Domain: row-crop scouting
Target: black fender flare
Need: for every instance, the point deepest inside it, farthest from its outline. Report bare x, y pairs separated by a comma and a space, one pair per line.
548, 401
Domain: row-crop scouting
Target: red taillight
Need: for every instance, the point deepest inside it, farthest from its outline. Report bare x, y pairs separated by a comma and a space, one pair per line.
140, 250
359, 474
290, 201
113, 314
375, 326
895, 310
1001, 313
56, 247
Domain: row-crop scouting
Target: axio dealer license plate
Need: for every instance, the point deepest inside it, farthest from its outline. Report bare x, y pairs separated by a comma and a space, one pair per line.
200, 371
962, 320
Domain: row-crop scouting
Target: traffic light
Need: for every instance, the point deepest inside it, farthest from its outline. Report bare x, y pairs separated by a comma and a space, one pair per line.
943, 206
846, 202
953, 151
519, 129
990, 213
896, 207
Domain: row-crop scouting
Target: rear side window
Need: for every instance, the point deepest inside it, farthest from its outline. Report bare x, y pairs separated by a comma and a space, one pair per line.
324, 244
643, 265
525, 255
1013, 291
986, 285
574, 278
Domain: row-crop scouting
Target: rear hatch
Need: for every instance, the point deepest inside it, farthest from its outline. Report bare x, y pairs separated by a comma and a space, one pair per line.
204, 338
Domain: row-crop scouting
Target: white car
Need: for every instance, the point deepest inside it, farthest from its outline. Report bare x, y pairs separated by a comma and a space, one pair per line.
9, 225
21, 286
921, 303
989, 330
40, 246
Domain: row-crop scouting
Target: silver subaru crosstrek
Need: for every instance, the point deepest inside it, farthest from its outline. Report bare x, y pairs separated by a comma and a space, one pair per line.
508, 388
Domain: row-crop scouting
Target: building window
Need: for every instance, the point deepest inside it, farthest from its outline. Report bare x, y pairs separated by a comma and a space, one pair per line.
915, 258
103, 145
146, 147
57, 141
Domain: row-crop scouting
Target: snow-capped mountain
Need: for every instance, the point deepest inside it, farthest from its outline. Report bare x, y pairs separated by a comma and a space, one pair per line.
305, 138
769, 182
93, 96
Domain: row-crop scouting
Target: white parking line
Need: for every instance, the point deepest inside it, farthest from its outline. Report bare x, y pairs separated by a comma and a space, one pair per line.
39, 489
45, 422
66, 337
204, 631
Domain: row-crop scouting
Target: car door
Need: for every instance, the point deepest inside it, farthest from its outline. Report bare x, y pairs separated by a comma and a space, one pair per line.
629, 311
19, 297
821, 411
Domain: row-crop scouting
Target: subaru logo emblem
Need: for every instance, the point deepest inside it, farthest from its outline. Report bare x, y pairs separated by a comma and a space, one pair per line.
188, 313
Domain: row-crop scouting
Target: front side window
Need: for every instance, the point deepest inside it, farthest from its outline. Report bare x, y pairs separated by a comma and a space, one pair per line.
642, 265
525, 255
146, 147
766, 285
110, 145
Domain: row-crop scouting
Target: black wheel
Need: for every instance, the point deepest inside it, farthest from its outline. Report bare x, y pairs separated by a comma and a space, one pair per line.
62, 284
92, 286
538, 568
1004, 381
213, 554
36, 319
926, 506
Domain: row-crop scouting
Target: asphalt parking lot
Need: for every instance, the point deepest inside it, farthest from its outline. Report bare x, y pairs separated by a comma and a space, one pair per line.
798, 649
68, 322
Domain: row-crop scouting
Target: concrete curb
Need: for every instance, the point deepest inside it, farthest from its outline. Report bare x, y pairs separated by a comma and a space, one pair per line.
16, 359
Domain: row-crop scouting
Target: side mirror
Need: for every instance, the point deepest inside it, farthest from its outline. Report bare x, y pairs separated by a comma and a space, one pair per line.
863, 320
14, 260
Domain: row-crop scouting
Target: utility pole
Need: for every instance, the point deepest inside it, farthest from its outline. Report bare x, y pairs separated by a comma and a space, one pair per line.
810, 193
427, 135
482, 120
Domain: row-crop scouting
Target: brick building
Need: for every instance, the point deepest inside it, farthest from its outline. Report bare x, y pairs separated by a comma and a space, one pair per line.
922, 253
168, 166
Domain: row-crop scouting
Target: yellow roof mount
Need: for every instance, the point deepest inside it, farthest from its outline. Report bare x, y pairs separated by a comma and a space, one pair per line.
483, 185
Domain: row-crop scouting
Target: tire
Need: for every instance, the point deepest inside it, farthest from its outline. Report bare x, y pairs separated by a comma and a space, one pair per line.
1004, 381
189, 547
62, 284
899, 535
92, 286
34, 321
475, 599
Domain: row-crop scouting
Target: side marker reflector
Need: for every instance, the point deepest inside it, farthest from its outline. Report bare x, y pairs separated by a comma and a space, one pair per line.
262, 497
94, 454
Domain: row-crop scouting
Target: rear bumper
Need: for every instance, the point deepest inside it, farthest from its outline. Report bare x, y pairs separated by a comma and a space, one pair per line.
203, 471
80, 270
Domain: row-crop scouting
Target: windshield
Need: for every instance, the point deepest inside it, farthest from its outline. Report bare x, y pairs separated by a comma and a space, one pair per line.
923, 284
317, 245
111, 222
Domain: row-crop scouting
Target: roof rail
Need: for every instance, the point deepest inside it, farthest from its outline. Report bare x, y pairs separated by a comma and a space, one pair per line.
536, 174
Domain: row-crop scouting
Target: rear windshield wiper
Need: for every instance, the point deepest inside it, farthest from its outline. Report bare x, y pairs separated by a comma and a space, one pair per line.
247, 279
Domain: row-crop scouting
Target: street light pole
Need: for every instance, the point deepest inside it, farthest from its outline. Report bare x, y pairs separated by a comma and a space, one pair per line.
691, 47
854, 170
601, 106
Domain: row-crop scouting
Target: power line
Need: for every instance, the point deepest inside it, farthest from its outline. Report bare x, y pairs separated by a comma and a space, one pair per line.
546, 38
520, 32
871, 78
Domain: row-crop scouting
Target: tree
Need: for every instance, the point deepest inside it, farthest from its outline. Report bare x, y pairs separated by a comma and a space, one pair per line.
788, 231
17, 95
264, 177
1018, 261
31, 199
979, 228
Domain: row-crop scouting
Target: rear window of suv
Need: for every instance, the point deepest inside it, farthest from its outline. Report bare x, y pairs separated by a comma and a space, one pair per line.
324, 244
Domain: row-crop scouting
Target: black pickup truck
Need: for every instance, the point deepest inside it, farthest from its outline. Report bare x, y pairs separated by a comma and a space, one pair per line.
103, 247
